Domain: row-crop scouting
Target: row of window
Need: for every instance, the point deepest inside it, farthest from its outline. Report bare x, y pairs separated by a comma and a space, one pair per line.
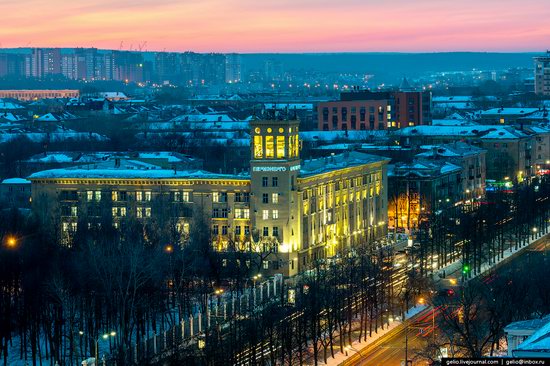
146, 196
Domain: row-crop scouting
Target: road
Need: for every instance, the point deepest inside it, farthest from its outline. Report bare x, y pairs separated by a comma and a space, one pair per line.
391, 350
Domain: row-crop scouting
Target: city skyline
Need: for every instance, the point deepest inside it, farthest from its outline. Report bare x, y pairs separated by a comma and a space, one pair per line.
247, 27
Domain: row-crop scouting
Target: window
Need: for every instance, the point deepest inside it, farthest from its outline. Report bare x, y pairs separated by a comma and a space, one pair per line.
224, 212
74, 211
275, 182
275, 214
242, 213
237, 230
264, 181
123, 211
139, 212
114, 196
90, 195
269, 147
186, 197
216, 212
139, 196
147, 196
224, 230
265, 264
280, 147
258, 148
177, 196
266, 231
247, 230
215, 230
242, 197
265, 214
275, 197
122, 196
97, 195
265, 198
275, 231
219, 197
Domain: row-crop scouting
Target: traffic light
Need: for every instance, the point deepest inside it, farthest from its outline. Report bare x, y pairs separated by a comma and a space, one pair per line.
466, 269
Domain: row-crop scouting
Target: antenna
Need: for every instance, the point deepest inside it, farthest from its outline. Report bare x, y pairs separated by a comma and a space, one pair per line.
121, 45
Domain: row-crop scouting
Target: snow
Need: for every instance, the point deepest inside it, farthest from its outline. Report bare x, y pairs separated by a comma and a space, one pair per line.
539, 341
337, 162
16, 181
81, 173
509, 111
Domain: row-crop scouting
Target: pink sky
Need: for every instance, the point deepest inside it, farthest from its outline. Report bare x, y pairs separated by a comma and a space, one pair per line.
279, 25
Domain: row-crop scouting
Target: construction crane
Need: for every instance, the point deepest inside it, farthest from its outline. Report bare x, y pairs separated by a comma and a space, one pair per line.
140, 46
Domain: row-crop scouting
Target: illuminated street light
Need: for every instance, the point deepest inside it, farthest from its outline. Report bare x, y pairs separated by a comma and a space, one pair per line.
168, 249
11, 241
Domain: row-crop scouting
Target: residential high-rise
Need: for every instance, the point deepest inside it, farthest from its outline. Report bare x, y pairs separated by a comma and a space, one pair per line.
232, 68
365, 110
542, 74
42, 62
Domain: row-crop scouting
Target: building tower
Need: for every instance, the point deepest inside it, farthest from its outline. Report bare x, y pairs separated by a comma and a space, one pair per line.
542, 74
275, 167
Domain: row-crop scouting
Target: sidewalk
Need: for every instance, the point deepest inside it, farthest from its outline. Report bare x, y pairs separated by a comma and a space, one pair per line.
358, 346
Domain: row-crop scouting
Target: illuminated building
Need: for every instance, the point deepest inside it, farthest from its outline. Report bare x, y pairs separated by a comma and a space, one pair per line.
365, 110
296, 211
419, 189
38, 94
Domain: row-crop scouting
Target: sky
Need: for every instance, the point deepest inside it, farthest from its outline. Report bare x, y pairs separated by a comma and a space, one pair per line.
249, 26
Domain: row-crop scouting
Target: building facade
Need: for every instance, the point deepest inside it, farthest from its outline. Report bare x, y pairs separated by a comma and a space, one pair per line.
364, 110
542, 74
291, 210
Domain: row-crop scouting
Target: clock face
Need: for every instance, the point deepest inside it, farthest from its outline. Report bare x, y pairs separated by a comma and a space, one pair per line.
257, 130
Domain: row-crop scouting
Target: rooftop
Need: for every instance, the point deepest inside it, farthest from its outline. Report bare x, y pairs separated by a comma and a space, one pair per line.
337, 162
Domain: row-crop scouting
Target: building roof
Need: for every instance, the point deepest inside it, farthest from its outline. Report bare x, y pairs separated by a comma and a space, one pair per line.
338, 161
538, 341
454, 150
509, 111
135, 173
422, 169
481, 131
16, 181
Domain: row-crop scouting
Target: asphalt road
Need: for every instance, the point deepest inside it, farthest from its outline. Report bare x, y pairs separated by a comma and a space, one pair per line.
391, 350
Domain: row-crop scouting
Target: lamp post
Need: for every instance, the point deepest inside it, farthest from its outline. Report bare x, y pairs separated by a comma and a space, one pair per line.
96, 343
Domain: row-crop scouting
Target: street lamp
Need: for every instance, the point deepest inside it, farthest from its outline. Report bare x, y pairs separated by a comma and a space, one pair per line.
96, 342
11, 241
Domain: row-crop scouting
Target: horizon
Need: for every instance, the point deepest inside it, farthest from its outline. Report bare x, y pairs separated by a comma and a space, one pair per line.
244, 26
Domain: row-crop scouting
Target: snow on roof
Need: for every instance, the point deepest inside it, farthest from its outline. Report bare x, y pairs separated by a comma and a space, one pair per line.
456, 98
6, 104
341, 135
337, 162
82, 173
482, 131
203, 118
509, 111
454, 150
452, 122
16, 181
422, 168
538, 341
